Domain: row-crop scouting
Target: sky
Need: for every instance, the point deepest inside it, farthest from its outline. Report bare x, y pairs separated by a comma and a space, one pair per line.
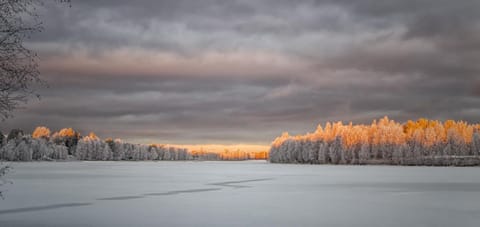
242, 72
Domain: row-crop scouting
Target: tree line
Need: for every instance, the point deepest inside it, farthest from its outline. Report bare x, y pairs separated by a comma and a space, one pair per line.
69, 144
421, 142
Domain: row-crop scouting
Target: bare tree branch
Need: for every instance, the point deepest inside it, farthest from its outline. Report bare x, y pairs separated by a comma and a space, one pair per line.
18, 65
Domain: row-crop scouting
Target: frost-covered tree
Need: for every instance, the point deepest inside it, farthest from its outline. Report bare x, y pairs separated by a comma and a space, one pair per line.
173, 153
311, 151
167, 155
295, 151
323, 156
274, 154
476, 143
7, 152
15, 134
153, 152
23, 151
67, 137
143, 153
93, 148
335, 150
160, 152
105, 152
354, 152
81, 149
59, 152
364, 154
118, 150
182, 154
457, 143
398, 154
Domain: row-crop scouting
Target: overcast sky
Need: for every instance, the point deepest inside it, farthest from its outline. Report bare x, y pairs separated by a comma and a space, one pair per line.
208, 71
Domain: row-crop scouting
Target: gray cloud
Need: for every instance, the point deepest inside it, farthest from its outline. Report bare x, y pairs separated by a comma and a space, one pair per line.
211, 71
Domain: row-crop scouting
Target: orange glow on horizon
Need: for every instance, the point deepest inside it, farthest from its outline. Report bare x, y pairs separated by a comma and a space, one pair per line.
229, 152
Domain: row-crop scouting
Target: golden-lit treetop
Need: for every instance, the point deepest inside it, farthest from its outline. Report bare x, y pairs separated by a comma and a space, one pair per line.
92, 136
41, 132
66, 132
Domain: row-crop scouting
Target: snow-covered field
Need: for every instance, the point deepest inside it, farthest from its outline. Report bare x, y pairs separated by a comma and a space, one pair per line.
252, 193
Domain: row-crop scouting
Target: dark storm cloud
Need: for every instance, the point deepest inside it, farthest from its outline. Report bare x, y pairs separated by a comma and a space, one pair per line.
212, 71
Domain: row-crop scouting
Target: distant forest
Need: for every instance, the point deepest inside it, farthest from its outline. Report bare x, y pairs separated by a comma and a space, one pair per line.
421, 142
68, 144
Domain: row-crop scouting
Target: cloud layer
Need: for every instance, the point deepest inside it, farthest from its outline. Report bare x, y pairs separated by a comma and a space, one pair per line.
210, 71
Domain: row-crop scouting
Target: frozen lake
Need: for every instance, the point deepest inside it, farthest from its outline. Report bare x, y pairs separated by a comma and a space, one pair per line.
252, 193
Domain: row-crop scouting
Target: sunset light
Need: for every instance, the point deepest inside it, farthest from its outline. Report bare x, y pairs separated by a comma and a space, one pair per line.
255, 113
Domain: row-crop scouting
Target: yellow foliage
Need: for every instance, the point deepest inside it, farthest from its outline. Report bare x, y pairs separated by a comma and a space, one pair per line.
41, 132
385, 131
66, 132
92, 136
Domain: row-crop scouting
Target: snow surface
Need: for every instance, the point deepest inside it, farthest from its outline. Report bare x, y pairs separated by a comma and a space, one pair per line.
253, 193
